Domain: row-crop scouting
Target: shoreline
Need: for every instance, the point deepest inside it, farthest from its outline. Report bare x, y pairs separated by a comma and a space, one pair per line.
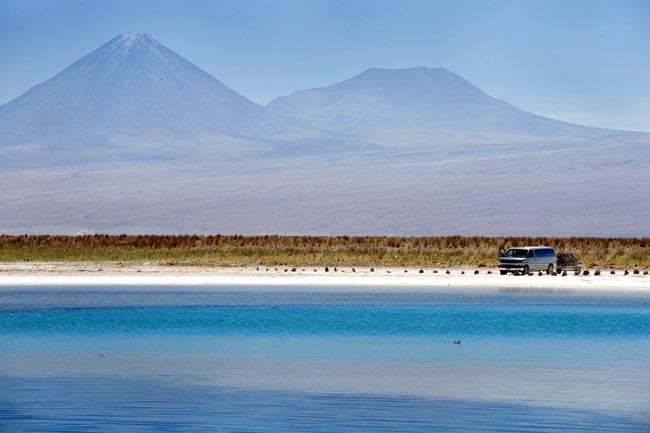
143, 274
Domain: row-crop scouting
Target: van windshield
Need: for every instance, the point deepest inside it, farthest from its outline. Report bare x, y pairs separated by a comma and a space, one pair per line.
517, 252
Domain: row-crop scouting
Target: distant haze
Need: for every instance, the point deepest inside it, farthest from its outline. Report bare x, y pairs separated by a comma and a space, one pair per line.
420, 104
580, 61
134, 138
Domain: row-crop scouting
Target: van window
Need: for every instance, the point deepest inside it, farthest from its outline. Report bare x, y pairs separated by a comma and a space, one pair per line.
517, 252
531, 253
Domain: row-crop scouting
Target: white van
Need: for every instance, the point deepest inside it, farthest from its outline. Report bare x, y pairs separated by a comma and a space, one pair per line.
526, 259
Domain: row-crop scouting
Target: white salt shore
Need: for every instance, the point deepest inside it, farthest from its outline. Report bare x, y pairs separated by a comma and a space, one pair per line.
344, 278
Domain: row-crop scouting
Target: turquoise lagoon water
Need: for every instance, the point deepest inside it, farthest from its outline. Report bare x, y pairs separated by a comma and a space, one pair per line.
262, 359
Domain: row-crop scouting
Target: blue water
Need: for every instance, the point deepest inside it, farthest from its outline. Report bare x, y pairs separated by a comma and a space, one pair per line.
187, 359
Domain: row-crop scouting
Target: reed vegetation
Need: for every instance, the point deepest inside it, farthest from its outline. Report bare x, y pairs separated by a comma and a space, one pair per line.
273, 250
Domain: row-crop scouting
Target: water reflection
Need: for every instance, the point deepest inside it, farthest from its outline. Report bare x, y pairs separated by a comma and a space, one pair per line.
188, 359
100, 404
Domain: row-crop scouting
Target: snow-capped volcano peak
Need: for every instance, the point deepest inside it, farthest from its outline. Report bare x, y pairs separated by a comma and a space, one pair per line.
130, 39
134, 36
130, 42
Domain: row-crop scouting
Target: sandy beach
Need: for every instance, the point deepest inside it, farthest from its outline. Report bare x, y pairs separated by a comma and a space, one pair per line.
148, 274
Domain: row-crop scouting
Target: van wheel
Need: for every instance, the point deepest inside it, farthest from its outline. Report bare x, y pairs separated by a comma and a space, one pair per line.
525, 270
549, 271
503, 272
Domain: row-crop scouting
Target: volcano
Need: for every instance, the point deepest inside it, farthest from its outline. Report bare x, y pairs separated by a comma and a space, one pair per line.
397, 107
132, 138
133, 98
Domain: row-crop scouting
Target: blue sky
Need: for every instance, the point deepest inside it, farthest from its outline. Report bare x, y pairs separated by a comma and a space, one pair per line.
582, 61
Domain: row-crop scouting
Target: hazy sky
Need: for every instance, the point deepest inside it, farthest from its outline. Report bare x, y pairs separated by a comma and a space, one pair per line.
582, 61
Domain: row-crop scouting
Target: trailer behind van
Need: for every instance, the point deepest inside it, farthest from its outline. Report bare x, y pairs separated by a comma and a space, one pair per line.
526, 259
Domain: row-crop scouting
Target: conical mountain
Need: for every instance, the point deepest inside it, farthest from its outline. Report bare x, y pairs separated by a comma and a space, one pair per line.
135, 98
419, 103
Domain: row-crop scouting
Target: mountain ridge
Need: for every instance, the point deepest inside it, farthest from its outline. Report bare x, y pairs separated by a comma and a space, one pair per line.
429, 99
135, 99
135, 139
